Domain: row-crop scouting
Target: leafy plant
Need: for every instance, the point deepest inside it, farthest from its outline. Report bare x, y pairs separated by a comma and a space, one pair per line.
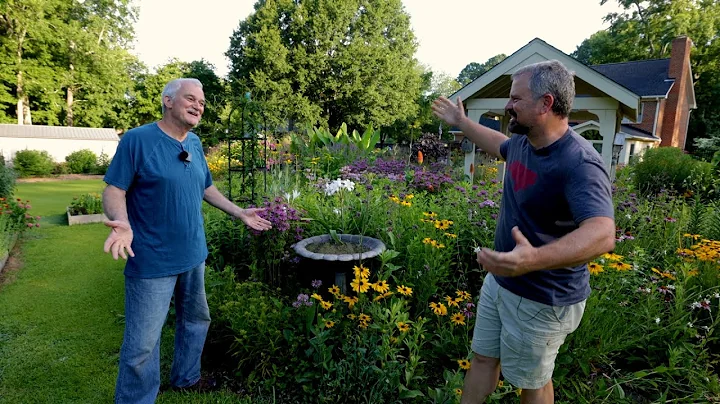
33, 163
81, 161
86, 204
432, 148
7, 181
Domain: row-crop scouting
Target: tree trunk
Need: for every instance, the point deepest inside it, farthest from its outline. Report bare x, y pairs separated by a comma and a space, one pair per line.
70, 91
69, 103
21, 97
27, 117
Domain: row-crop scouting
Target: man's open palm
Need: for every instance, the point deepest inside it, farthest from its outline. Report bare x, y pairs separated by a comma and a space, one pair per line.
451, 113
120, 239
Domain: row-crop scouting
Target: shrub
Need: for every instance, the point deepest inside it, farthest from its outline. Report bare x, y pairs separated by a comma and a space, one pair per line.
81, 161
7, 181
671, 169
102, 163
255, 317
86, 204
33, 163
17, 214
433, 149
61, 168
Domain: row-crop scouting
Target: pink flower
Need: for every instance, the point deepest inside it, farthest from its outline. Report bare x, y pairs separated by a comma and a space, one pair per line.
29, 225
37, 224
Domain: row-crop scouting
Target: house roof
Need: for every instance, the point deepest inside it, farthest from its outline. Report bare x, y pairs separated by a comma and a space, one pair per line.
57, 132
637, 133
645, 78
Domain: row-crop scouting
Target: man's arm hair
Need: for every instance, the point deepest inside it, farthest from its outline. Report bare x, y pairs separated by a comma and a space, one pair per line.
594, 237
114, 204
489, 140
218, 200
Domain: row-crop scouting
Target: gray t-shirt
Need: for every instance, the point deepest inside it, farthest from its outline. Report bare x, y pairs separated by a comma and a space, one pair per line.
547, 193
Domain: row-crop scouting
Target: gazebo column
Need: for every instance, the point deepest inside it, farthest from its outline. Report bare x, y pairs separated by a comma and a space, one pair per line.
607, 120
469, 169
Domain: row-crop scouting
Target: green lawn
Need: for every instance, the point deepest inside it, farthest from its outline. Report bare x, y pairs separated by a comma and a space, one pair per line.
50, 199
61, 318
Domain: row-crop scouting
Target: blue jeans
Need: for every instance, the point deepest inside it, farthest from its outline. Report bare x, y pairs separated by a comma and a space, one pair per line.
147, 302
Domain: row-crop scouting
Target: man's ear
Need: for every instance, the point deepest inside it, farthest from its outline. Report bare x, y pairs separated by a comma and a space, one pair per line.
547, 102
167, 101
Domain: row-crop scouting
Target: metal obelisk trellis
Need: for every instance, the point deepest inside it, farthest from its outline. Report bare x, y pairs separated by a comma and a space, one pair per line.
248, 132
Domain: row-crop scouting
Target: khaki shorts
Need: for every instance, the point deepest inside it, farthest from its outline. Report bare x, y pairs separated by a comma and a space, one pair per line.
524, 334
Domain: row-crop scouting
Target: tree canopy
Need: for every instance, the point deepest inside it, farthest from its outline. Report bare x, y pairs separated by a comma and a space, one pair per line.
474, 70
327, 61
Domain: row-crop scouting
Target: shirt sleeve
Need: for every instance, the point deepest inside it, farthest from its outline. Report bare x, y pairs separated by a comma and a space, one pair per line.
588, 192
124, 164
206, 169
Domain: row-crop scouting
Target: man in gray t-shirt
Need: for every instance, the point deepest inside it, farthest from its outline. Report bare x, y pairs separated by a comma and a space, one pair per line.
556, 215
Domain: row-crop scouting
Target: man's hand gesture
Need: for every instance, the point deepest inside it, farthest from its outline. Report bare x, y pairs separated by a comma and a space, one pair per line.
251, 218
120, 239
451, 113
517, 262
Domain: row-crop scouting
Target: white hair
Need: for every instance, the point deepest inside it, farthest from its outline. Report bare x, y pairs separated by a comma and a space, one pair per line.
172, 88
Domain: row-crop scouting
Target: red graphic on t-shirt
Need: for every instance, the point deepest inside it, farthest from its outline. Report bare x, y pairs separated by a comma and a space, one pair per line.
522, 176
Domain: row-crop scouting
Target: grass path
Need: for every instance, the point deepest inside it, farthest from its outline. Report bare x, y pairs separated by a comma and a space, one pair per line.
61, 310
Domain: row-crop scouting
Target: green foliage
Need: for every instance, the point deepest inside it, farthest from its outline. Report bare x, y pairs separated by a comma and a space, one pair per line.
670, 168
102, 163
33, 163
86, 204
66, 62
327, 62
320, 137
7, 181
474, 70
81, 161
255, 317
215, 97
61, 168
17, 214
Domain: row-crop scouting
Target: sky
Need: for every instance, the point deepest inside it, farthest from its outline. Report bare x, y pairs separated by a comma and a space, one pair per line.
450, 33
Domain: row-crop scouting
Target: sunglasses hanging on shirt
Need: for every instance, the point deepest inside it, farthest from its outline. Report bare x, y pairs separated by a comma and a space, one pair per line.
185, 156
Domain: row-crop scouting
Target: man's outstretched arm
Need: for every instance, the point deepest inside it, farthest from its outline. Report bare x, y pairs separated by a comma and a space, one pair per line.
248, 216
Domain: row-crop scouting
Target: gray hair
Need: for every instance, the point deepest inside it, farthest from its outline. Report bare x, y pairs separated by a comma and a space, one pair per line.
172, 88
551, 77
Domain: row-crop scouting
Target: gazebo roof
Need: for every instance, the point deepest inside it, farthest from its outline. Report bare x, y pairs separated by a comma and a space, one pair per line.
496, 82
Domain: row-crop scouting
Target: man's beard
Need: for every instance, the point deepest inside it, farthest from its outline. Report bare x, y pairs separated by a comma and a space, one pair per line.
516, 127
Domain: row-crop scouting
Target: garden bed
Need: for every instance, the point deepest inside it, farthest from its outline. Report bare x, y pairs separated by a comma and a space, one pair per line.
4, 256
85, 219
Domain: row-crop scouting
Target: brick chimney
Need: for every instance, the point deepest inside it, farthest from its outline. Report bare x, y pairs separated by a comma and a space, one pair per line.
677, 109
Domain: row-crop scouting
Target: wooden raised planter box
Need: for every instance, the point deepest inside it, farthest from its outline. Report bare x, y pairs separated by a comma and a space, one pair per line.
85, 219
6, 254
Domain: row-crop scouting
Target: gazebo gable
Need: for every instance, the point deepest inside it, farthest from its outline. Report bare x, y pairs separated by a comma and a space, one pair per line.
494, 84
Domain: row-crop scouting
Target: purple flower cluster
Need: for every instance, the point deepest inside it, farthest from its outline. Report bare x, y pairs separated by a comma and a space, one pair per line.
302, 300
431, 180
316, 283
281, 215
